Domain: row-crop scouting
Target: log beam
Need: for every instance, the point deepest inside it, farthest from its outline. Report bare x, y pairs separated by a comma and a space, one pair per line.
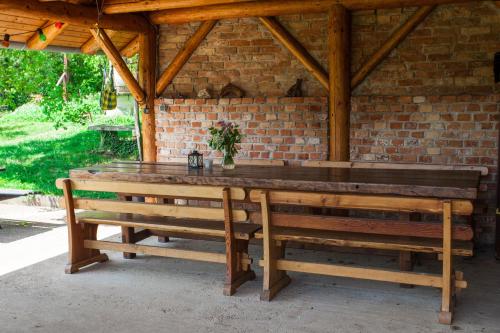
132, 48
279, 7
91, 46
150, 6
340, 93
396, 38
183, 56
50, 31
291, 44
73, 14
121, 67
147, 78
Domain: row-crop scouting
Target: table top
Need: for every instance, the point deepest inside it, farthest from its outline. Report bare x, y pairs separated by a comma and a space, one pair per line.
423, 183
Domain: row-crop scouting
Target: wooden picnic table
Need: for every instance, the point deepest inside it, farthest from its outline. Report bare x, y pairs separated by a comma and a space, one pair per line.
452, 184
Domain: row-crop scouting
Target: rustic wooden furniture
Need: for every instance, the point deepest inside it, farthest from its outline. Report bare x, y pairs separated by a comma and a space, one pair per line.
406, 259
110, 131
445, 239
153, 219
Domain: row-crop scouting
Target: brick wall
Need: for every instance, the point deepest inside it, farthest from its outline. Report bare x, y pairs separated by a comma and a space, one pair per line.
292, 129
451, 52
433, 100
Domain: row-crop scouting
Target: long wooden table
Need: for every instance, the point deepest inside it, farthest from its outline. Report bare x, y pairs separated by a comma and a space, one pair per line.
411, 183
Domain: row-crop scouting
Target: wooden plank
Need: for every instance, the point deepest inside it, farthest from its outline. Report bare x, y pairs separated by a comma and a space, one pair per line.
167, 224
394, 166
156, 251
148, 50
73, 14
367, 241
183, 56
179, 191
394, 40
278, 8
413, 183
348, 201
368, 226
119, 64
419, 279
50, 32
291, 44
447, 292
339, 73
158, 209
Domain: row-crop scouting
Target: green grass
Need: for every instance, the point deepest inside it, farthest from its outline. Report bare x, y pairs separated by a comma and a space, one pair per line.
35, 154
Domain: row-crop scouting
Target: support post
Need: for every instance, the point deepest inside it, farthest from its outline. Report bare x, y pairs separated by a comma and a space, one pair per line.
147, 79
340, 92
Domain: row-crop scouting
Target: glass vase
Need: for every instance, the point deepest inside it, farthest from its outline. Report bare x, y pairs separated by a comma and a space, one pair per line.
228, 161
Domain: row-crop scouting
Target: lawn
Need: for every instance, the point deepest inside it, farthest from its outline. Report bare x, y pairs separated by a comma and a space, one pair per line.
35, 153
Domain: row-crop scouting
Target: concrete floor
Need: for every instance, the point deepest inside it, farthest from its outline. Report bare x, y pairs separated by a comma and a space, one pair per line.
151, 294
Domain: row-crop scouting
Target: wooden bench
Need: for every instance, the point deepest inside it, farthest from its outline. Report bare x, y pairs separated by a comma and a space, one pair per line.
142, 220
425, 237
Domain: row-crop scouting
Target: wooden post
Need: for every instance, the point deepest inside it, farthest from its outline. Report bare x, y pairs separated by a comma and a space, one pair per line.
147, 79
340, 93
497, 241
446, 314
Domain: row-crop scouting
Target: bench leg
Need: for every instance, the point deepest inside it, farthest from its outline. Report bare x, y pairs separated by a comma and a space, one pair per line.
128, 237
406, 265
446, 314
236, 272
274, 280
78, 255
163, 239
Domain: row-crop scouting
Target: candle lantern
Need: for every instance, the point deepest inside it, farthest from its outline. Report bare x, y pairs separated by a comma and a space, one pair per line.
195, 160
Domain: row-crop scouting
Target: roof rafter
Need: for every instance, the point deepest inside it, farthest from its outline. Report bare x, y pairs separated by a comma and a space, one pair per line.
50, 31
74, 14
148, 5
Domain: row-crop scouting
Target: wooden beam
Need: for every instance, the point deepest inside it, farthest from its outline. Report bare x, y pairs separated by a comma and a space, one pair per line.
147, 78
148, 5
291, 44
396, 38
131, 49
50, 31
278, 8
69, 13
91, 46
183, 56
340, 93
121, 67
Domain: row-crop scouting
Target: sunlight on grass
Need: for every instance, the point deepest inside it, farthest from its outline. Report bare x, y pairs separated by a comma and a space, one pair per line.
35, 153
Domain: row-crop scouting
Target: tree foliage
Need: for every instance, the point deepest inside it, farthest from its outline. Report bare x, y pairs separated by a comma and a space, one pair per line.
25, 75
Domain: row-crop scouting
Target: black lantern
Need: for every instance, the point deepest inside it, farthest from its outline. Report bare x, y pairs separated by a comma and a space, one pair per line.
195, 160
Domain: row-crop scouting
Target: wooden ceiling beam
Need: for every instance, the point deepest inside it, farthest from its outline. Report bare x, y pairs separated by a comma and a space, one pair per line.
183, 56
74, 14
154, 5
50, 31
91, 46
279, 7
121, 67
132, 48
394, 40
291, 44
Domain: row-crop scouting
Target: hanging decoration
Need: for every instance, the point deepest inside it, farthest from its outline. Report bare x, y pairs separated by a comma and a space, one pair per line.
39, 31
6, 40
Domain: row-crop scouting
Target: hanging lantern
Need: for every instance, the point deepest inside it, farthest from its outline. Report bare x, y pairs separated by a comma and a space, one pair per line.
41, 35
58, 25
6, 40
195, 160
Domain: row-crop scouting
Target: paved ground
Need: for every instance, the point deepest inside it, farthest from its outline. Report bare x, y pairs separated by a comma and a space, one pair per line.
151, 294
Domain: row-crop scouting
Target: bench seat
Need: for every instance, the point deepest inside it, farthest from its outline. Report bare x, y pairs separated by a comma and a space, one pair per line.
371, 241
243, 231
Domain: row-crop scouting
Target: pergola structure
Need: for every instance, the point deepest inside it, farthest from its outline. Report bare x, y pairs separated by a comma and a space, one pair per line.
126, 27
